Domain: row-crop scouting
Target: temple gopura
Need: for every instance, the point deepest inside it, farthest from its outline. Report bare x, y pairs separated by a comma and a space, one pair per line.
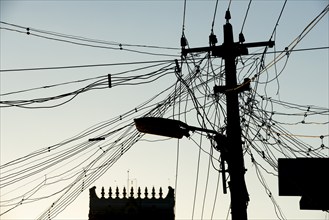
116, 207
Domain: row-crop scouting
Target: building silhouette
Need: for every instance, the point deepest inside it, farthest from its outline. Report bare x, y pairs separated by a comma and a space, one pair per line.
305, 177
133, 206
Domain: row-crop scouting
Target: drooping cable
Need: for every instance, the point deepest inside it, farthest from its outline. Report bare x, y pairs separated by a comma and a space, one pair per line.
84, 66
102, 83
184, 17
214, 17
215, 197
82, 41
278, 20
229, 5
206, 186
245, 17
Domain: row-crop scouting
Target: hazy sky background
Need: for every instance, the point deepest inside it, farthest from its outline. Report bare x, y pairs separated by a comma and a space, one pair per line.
304, 81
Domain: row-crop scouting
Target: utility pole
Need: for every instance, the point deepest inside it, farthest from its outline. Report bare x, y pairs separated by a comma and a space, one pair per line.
229, 50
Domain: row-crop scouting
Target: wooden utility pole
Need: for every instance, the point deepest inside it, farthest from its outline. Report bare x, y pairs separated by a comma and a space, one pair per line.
229, 50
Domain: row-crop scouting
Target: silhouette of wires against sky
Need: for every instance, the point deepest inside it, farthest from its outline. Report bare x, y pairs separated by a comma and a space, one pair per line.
101, 83
271, 127
124, 78
83, 41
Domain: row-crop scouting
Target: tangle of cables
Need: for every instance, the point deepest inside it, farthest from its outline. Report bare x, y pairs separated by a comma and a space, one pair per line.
270, 127
101, 82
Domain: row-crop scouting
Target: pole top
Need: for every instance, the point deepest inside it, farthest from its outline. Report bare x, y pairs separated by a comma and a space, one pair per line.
228, 15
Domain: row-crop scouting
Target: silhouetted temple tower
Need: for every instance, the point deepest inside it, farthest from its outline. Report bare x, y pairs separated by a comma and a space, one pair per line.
128, 207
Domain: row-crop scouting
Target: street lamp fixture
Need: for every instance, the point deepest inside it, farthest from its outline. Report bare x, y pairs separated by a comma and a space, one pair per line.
177, 129
167, 127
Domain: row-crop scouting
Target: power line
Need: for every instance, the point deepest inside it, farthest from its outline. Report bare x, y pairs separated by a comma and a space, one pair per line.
214, 17
293, 50
112, 77
69, 195
262, 127
184, 17
28, 30
245, 17
119, 46
277, 22
85, 66
144, 62
229, 5
102, 83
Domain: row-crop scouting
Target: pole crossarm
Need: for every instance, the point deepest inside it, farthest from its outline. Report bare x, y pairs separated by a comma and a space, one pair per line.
222, 50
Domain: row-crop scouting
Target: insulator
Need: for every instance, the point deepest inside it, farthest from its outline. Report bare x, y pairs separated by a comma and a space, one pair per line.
227, 15
241, 38
212, 39
109, 80
183, 41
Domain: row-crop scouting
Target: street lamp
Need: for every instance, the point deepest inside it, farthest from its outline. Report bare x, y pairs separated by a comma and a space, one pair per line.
177, 129
167, 127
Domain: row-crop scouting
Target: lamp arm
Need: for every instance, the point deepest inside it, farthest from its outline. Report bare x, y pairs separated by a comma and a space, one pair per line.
192, 128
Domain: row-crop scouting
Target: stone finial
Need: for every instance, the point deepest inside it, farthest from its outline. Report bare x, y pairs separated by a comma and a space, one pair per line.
124, 192
102, 193
131, 192
139, 192
153, 192
117, 192
110, 193
146, 193
160, 193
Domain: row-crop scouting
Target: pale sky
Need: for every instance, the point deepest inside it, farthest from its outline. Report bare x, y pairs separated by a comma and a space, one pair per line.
57, 136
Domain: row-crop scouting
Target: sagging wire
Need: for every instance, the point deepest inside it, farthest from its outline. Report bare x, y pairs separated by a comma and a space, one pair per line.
278, 211
83, 41
115, 148
103, 82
